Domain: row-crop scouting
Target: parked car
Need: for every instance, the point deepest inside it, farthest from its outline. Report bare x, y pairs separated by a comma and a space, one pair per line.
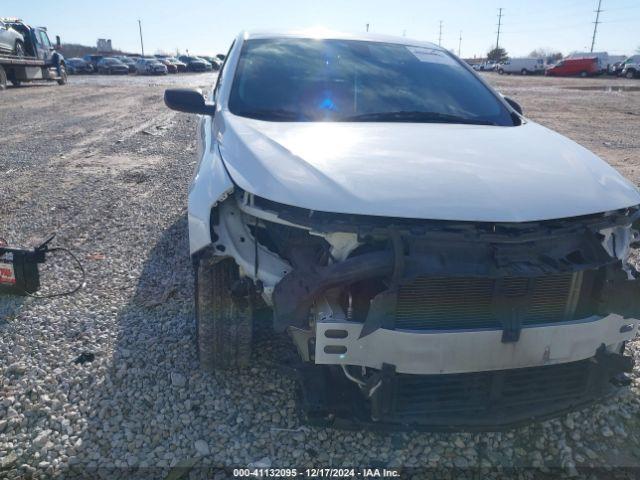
207, 64
129, 62
615, 69
221, 57
11, 41
180, 66
93, 60
424, 275
112, 66
486, 66
583, 67
150, 66
215, 63
171, 67
631, 67
78, 66
523, 66
614, 61
194, 64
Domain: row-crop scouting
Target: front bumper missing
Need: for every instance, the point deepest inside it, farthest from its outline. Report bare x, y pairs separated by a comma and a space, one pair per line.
479, 401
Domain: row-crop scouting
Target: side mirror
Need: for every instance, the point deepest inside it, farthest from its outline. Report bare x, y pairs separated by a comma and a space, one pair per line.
58, 41
515, 105
187, 101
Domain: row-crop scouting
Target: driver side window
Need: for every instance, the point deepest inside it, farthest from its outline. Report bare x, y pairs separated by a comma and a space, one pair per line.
44, 39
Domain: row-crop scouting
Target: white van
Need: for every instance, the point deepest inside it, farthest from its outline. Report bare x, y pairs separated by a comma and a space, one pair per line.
523, 66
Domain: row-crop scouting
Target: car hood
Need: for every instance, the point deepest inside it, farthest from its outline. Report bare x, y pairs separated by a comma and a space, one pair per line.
430, 171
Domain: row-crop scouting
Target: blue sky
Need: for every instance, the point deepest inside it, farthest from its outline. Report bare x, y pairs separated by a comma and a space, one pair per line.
208, 26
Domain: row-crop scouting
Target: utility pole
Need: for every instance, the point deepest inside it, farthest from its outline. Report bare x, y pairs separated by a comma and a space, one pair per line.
367, 28
595, 25
459, 42
499, 26
440, 35
141, 43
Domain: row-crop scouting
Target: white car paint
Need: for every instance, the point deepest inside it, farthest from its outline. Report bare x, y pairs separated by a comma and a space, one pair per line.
517, 65
431, 171
428, 171
442, 352
8, 38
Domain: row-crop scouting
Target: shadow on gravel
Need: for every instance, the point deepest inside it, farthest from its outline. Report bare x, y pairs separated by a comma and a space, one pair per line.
155, 415
10, 306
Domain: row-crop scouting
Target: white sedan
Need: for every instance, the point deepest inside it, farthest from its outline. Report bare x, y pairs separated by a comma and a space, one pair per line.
432, 253
150, 66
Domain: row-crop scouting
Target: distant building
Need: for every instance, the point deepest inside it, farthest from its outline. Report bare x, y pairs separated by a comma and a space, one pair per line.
104, 45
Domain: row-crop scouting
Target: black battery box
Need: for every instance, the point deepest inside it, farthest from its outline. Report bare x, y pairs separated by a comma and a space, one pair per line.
19, 269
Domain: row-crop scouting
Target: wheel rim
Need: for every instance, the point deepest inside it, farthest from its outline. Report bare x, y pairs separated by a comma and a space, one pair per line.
629, 74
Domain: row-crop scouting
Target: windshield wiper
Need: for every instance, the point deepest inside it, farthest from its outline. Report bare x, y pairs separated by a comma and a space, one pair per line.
273, 114
414, 116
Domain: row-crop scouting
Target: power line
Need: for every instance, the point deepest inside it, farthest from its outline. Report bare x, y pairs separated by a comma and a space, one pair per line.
499, 26
440, 35
595, 26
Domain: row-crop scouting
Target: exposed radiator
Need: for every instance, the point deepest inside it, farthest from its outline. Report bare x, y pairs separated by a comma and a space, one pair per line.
453, 303
431, 396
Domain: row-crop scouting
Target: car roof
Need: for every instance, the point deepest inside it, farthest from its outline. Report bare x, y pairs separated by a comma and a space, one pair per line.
323, 34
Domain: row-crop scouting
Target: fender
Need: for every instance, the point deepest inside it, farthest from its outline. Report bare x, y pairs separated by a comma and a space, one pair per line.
211, 185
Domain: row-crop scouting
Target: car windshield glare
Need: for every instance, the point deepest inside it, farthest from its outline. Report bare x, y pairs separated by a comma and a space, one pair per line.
291, 79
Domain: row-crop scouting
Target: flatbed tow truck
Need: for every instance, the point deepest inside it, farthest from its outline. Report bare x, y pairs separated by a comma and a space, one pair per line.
41, 62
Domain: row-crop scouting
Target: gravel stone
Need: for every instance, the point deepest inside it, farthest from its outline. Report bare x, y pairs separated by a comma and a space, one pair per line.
178, 380
202, 447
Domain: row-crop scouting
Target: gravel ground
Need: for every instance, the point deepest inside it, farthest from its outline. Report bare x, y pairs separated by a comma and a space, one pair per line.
106, 166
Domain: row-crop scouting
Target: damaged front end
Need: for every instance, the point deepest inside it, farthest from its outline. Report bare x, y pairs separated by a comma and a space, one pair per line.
441, 324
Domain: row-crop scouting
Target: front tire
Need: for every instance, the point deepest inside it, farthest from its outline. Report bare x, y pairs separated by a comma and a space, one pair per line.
62, 72
524, 72
224, 325
584, 74
501, 71
630, 74
3, 78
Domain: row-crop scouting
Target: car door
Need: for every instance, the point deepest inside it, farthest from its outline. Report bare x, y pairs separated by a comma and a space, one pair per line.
47, 46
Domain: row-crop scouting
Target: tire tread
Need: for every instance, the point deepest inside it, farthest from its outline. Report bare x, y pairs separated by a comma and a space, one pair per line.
224, 328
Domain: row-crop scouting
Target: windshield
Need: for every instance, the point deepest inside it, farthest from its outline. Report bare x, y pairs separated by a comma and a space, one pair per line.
346, 80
